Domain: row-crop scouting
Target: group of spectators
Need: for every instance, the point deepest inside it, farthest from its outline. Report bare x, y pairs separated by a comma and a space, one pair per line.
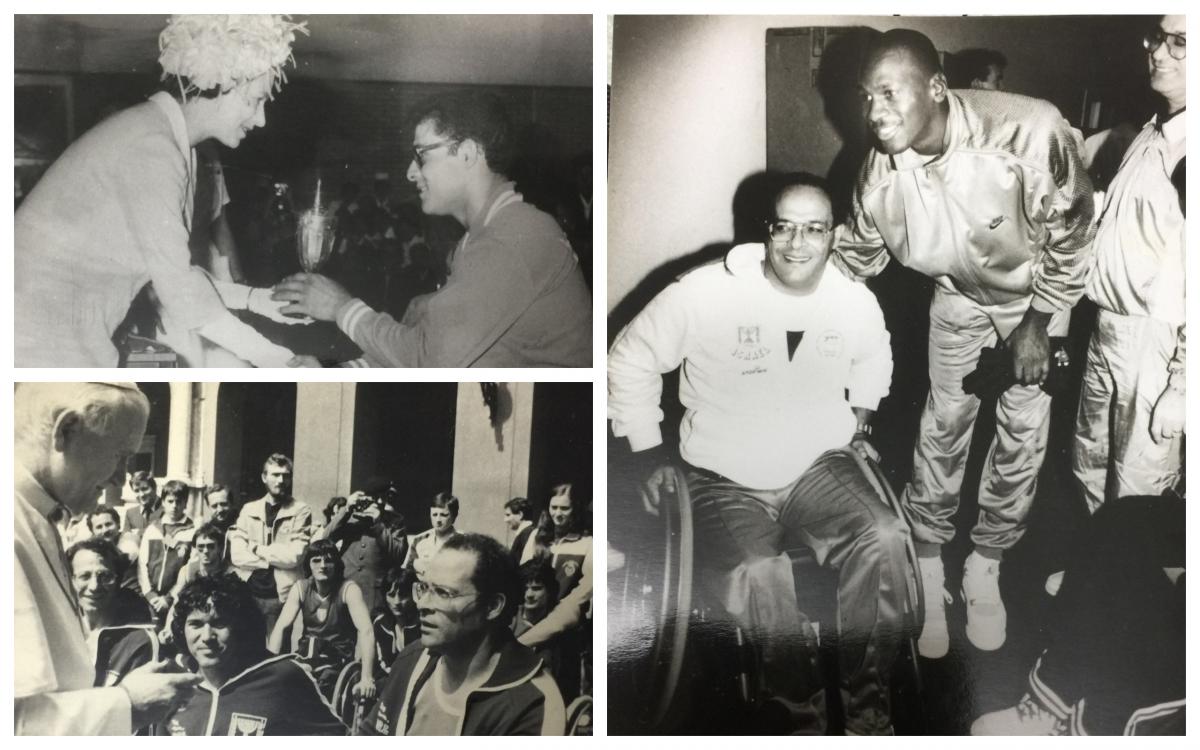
445, 632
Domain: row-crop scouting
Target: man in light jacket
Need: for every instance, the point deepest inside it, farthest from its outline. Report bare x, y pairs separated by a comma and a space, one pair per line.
267, 544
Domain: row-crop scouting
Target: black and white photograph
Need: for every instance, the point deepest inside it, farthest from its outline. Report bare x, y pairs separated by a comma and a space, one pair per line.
303, 191
896, 370
315, 558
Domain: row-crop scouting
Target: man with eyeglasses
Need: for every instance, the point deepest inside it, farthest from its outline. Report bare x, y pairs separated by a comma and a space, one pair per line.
985, 192
784, 362
468, 675
1131, 406
515, 296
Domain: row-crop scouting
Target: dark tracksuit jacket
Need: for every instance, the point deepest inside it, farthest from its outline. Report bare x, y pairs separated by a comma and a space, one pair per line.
520, 698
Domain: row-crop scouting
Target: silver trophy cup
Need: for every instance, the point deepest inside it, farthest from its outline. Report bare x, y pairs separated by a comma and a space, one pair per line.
316, 231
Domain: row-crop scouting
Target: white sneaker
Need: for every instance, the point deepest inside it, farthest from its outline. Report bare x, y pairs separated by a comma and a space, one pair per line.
934, 642
986, 618
1026, 719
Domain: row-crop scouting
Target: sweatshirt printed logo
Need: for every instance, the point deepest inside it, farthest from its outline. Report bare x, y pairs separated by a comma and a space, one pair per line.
750, 344
830, 343
247, 725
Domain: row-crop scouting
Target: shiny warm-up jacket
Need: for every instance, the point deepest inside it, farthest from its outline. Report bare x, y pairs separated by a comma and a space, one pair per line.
1004, 212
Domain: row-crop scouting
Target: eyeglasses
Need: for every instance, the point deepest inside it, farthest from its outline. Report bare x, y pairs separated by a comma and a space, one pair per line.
441, 596
1176, 43
419, 152
785, 231
104, 578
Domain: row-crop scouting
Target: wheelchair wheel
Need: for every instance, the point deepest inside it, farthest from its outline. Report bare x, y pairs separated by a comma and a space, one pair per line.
343, 700
650, 613
579, 717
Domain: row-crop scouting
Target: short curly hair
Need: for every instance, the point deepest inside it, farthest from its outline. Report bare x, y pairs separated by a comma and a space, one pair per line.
231, 598
477, 116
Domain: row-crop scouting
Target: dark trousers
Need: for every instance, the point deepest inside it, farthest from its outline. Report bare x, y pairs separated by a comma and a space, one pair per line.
741, 538
1116, 654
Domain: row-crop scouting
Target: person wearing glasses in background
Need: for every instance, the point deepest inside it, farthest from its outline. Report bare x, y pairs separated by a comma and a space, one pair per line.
1114, 655
468, 675
1131, 406
515, 296
785, 360
985, 192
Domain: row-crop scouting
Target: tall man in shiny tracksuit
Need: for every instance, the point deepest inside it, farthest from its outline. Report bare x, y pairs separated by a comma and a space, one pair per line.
985, 192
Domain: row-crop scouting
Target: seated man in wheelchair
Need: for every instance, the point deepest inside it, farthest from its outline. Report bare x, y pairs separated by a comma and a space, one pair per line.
329, 620
246, 690
784, 362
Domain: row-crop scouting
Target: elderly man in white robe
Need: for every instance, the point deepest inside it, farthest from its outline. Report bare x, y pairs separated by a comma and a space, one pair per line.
72, 440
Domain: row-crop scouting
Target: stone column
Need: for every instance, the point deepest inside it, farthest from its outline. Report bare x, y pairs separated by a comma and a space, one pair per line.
324, 442
491, 462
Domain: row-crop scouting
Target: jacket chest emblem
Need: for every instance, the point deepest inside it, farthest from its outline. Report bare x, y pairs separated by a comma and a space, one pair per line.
247, 725
749, 344
831, 343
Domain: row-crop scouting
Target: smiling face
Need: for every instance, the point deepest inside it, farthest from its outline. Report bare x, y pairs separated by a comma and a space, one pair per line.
241, 110
208, 639
1168, 76
87, 461
105, 527
795, 266
95, 582
902, 105
144, 494
441, 177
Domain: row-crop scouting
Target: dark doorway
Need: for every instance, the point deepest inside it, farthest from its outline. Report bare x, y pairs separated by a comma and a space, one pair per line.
405, 432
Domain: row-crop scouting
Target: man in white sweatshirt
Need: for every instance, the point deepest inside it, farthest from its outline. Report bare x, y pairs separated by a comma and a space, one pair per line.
784, 361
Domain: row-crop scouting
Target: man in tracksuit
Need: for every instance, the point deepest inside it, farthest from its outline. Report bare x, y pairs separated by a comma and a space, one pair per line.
985, 192
468, 675
247, 690
784, 362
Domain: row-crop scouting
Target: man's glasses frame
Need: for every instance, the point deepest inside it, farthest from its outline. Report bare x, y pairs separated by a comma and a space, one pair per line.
780, 230
441, 596
418, 152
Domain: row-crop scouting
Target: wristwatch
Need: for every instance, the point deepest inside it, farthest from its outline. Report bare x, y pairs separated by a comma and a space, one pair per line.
864, 428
